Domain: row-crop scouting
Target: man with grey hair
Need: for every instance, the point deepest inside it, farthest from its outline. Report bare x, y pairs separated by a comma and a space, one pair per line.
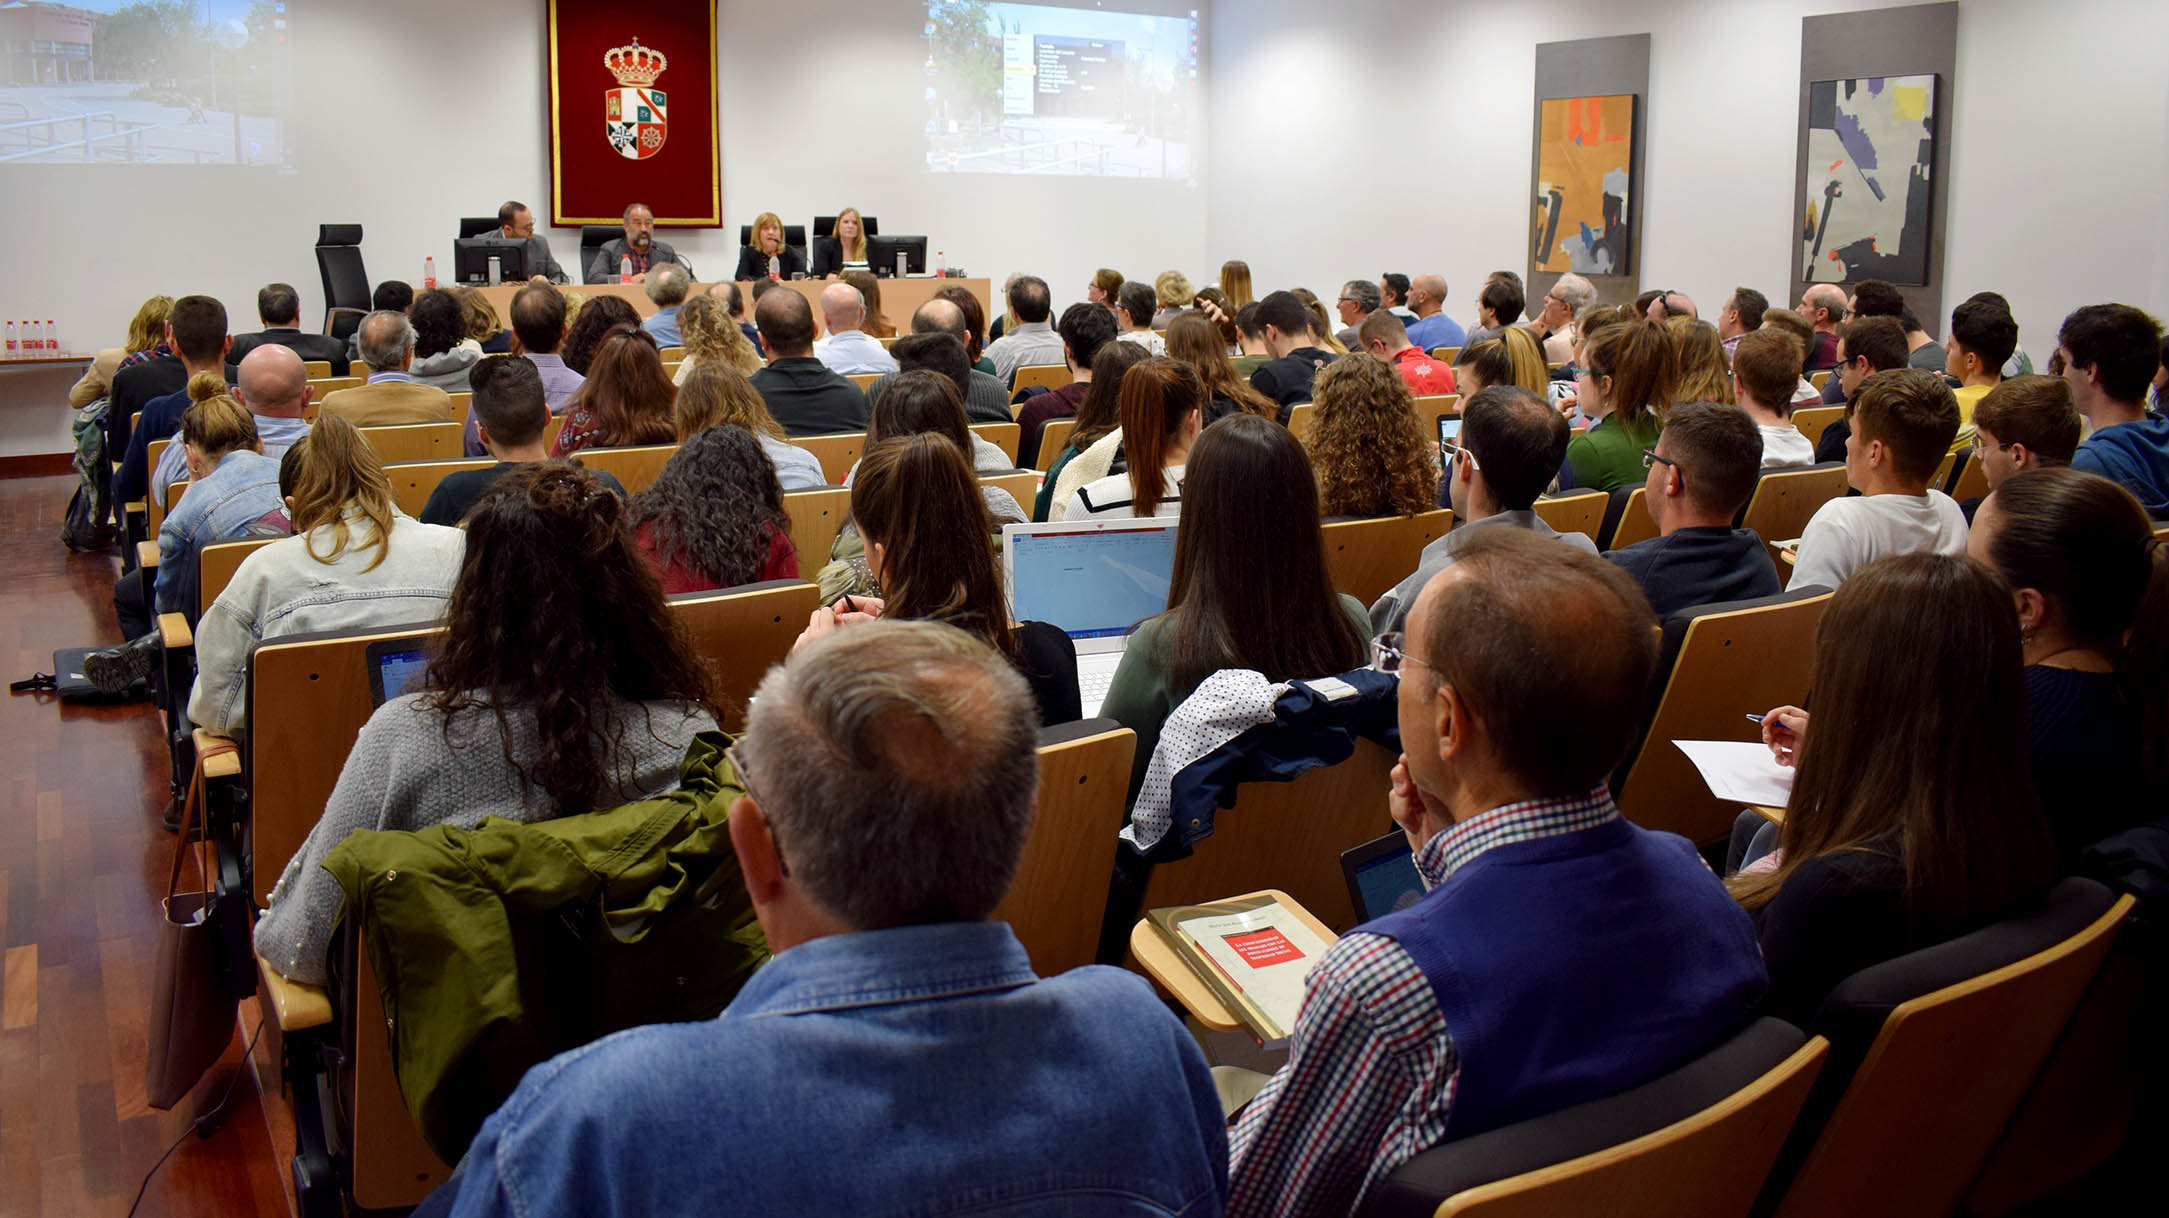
516, 223
667, 285
1432, 328
1359, 299
386, 342
638, 244
888, 772
1823, 305
1556, 325
849, 349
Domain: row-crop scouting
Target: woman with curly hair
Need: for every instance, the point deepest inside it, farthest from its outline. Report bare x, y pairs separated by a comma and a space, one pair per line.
715, 396
561, 686
596, 320
443, 352
1366, 443
625, 401
714, 518
1195, 339
712, 337
1699, 371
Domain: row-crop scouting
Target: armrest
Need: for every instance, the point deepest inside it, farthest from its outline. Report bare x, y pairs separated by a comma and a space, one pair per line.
294, 1005
173, 632
147, 555
224, 764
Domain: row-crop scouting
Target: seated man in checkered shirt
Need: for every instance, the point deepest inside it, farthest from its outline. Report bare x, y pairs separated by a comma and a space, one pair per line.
1561, 954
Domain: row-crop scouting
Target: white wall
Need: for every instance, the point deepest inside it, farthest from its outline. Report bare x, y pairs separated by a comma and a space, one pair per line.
2060, 124
1381, 134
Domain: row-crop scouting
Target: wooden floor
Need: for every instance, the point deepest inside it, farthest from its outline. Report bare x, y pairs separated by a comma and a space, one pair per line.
82, 868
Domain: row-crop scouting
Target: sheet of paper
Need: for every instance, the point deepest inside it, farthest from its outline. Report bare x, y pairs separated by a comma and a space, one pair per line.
1740, 770
1267, 952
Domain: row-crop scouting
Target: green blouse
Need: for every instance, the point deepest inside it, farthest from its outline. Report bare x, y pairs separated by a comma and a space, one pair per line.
1609, 455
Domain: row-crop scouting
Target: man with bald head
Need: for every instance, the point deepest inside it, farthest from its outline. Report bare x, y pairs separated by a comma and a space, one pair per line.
1432, 328
1823, 305
986, 399
848, 348
807, 396
274, 386
1492, 999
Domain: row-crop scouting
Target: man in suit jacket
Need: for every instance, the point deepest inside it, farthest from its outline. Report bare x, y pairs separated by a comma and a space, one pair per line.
638, 244
517, 223
280, 308
390, 396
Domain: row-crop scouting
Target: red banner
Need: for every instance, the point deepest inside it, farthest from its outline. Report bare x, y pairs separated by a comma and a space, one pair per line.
633, 112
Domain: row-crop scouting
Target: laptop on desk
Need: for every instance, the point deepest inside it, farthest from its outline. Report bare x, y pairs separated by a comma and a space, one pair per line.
396, 667
1093, 579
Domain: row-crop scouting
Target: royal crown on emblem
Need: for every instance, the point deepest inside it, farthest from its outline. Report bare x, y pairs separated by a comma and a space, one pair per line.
636, 66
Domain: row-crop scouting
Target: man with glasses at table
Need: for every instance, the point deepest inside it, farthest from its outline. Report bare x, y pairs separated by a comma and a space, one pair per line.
1559, 954
1555, 325
1510, 448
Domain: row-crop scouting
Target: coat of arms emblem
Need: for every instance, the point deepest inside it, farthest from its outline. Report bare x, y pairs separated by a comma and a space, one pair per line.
634, 113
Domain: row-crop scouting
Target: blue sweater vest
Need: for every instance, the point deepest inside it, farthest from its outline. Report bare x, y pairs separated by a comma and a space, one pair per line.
1576, 966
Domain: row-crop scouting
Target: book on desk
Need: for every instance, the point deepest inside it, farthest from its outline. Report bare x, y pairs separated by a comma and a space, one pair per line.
1252, 952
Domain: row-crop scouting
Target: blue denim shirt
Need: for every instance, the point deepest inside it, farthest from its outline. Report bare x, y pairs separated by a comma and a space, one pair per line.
916, 1070
241, 491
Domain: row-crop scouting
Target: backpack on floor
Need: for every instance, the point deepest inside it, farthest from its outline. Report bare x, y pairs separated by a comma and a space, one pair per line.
83, 527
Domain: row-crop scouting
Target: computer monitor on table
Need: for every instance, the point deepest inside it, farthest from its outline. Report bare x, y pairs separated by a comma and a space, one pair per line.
881, 254
471, 259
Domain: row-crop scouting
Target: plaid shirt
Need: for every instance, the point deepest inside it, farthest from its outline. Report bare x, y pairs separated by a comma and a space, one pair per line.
1372, 1068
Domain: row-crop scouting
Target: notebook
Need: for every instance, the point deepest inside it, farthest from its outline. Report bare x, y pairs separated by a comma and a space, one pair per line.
1382, 876
1093, 579
395, 668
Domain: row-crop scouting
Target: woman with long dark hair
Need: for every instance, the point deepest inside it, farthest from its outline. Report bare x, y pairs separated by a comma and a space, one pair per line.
1099, 414
1196, 339
596, 320
714, 517
918, 506
1249, 537
1163, 405
1367, 443
1912, 818
562, 686
625, 401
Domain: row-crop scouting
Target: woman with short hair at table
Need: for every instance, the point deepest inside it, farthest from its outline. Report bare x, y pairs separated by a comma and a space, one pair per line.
765, 256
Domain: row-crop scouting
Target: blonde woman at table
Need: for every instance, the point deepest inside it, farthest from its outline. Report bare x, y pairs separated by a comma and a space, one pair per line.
766, 255
846, 250
146, 339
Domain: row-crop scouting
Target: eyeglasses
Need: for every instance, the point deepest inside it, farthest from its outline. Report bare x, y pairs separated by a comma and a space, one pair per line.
1387, 656
1650, 459
1448, 452
745, 780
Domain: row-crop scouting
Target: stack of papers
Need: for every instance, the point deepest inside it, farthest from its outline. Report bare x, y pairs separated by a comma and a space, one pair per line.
1741, 771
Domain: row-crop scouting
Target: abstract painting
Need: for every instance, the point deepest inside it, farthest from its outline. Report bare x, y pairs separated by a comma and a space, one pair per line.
1871, 145
1584, 204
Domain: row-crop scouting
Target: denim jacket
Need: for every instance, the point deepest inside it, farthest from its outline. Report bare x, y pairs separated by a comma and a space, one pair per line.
910, 1071
237, 494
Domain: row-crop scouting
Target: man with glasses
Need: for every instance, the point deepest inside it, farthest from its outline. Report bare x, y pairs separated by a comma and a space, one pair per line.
1359, 299
1510, 448
1560, 954
1700, 475
898, 1044
516, 223
1556, 325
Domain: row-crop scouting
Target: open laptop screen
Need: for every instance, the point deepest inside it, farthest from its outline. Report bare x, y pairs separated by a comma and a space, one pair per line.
396, 667
1382, 876
1094, 579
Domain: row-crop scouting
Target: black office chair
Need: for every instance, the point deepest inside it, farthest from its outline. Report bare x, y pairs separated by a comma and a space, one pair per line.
346, 282
477, 226
592, 238
825, 226
794, 235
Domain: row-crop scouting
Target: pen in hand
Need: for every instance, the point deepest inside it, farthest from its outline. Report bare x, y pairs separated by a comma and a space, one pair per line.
1755, 719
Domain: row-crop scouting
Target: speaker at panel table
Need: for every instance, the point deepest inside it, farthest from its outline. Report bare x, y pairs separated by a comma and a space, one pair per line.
104, 82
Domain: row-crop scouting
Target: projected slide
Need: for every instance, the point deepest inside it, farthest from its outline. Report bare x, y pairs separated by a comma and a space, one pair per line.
1038, 88
167, 82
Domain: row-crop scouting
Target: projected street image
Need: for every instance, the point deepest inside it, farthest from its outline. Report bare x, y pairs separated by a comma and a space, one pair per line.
178, 82
1027, 88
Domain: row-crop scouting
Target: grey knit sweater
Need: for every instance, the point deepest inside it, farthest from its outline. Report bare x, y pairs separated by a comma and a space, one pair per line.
403, 774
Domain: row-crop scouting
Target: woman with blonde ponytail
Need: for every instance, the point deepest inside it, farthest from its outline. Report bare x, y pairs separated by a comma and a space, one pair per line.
355, 560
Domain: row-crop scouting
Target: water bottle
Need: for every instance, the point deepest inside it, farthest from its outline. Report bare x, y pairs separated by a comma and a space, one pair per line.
625, 268
429, 274
941, 264
13, 351
775, 267
52, 337
497, 270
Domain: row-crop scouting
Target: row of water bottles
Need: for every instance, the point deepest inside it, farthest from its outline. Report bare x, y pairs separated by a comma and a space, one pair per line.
32, 340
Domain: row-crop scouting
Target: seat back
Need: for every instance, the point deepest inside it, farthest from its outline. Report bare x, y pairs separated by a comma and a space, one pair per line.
837, 452
1299, 420
392, 1167
1445, 355
864, 380
154, 513
1698, 1140
635, 468
1022, 486
1289, 836
1042, 376
1819, 379
1726, 657
1635, 523
1971, 480
592, 238
1060, 890
323, 387
393, 442
1811, 420
413, 481
1005, 436
1053, 437
339, 262
317, 369
1365, 558
794, 235
1949, 1064
816, 517
1430, 406
740, 632
1786, 499
216, 565
825, 226
1581, 512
